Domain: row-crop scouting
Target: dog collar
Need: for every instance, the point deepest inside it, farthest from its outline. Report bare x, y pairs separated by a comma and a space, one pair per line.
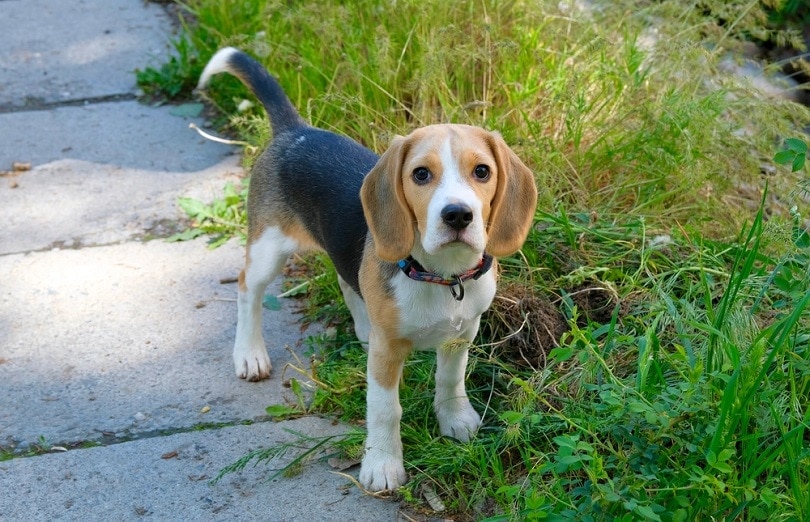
413, 269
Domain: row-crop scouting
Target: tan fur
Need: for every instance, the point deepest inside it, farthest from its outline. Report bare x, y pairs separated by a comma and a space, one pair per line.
485, 191
418, 198
387, 355
242, 285
297, 231
386, 363
514, 203
388, 216
393, 208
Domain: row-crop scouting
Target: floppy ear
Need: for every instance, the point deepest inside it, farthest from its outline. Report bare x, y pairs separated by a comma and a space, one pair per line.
387, 213
514, 204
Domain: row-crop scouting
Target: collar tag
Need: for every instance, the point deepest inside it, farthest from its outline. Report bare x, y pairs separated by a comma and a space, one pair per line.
457, 290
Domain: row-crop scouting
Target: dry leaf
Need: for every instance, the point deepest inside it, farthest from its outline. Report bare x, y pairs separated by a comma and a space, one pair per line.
433, 499
342, 464
169, 455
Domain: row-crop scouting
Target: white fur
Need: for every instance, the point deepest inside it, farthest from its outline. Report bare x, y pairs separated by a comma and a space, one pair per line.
382, 466
430, 314
265, 259
357, 307
452, 188
433, 319
457, 418
217, 64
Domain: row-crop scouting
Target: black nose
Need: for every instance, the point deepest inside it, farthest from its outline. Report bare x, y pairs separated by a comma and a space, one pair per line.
457, 216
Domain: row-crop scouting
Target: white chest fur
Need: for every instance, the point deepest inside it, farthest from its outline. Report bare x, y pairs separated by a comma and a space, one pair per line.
431, 316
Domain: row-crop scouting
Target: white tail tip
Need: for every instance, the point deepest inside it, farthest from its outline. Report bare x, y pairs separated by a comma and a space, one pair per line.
218, 63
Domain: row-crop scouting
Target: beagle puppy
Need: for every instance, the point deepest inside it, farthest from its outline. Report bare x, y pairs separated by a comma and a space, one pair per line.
413, 235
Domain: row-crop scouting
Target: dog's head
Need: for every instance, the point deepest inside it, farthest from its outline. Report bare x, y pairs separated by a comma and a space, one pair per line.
450, 191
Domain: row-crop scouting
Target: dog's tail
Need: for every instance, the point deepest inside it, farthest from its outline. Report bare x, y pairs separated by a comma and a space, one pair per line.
279, 108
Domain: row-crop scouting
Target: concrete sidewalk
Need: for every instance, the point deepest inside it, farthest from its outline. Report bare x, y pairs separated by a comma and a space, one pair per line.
106, 337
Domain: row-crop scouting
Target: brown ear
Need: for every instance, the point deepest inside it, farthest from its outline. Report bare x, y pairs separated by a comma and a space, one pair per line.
387, 213
514, 204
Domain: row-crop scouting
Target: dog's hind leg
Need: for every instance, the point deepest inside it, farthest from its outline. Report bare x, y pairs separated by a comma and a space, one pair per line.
264, 261
362, 325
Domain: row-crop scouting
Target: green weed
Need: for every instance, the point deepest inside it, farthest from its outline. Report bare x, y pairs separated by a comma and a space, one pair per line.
174, 79
794, 154
222, 219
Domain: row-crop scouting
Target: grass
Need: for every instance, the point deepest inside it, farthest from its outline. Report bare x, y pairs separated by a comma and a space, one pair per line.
647, 357
43, 446
608, 117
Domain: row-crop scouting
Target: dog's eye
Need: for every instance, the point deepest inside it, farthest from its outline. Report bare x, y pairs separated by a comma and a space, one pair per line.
421, 175
481, 172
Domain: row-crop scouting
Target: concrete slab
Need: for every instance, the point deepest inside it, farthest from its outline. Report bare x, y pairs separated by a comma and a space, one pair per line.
126, 134
75, 203
53, 51
127, 339
135, 480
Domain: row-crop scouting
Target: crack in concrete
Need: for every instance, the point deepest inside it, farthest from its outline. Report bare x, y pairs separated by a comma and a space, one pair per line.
34, 449
37, 104
161, 229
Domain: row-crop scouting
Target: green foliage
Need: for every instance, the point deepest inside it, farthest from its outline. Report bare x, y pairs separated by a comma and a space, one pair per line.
794, 154
692, 405
175, 79
315, 446
608, 119
794, 14
222, 219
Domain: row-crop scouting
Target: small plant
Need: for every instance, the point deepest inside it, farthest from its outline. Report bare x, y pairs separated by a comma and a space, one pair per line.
794, 154
222, 219
175, 79
313, 447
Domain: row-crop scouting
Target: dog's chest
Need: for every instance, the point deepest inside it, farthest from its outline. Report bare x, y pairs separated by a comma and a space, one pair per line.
429, 315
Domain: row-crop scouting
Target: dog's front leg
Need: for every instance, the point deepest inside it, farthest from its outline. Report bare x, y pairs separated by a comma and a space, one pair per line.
457, 418
383, 467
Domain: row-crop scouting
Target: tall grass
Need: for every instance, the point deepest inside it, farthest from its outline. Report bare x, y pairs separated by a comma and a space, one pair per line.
608, 119
686, 397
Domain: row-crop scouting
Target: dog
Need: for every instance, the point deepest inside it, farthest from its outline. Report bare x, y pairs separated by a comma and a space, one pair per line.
413, 235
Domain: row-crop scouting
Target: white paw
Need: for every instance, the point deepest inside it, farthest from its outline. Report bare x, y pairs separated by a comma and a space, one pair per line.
381, 472
458, 419
253, 365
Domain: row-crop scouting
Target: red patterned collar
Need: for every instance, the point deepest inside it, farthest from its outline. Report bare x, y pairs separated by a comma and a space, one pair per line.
413, 269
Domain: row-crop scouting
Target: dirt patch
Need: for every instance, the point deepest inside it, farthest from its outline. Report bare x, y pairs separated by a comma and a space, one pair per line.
526, 325
594, 302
